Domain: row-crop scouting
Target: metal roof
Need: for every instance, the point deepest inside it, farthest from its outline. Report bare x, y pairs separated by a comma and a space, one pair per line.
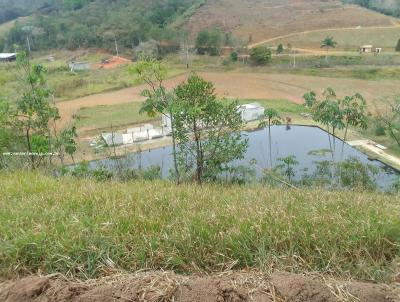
7, 55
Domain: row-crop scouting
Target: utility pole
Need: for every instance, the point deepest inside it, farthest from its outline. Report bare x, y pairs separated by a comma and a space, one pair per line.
187, 55
116, 46
294, 58
28, 44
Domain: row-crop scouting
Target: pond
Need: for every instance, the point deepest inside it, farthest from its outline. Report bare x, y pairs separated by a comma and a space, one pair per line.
308, 144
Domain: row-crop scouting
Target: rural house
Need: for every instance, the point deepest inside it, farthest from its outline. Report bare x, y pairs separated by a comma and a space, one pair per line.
366, 48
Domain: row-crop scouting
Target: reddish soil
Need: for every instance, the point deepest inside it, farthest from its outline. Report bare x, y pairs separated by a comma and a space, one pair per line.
167, 286
112, 63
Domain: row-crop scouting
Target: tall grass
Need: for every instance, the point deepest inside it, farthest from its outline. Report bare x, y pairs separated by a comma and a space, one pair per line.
84, 229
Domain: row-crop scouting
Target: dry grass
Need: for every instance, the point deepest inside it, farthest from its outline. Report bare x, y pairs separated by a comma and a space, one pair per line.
84, 229
347, 39
268, 19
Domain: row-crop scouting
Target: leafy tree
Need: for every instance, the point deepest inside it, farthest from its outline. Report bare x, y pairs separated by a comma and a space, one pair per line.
354, 108
398, 46
287, 166
261, 55
208, 42
271, 117
352, 173
391, 119
328, 111
35, 111
208, 130
279, 49
158, 99
65, 143
328, 43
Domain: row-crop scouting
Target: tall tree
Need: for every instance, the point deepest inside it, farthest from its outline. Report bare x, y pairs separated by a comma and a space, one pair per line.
158, 99
35, 111
208, 130
271, 117
354, 111
328, 43
391, 119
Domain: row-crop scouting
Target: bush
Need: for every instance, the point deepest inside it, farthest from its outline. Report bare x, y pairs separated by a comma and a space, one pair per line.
260, 55
234, 56
398, 46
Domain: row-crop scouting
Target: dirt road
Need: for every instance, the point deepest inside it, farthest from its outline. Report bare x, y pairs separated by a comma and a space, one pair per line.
395, 25
244, 86
167, 286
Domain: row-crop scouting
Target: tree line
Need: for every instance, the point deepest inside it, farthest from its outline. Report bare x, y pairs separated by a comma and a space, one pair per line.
84, 23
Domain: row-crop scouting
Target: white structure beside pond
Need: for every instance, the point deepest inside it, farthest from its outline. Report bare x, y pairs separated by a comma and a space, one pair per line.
249, 112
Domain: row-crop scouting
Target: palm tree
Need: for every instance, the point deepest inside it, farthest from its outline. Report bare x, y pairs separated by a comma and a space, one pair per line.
328, 43
271, 117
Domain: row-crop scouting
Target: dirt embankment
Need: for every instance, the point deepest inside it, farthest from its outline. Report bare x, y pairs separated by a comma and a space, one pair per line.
166, 286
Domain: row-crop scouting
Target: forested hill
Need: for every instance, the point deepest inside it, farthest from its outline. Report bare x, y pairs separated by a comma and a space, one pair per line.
388, 7
83, 23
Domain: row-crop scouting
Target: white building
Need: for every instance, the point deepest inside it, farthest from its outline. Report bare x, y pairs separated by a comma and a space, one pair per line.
113, 139
251, 112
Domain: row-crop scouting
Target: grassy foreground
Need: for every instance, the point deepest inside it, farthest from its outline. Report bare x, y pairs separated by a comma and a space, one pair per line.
84, 229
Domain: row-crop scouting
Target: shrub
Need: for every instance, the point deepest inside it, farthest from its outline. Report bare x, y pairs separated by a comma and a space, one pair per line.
234, 56
260, 55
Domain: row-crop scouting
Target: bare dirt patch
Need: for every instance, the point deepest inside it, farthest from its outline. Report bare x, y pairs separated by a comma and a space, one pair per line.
111, 63
245, 86
167, 286
262, 20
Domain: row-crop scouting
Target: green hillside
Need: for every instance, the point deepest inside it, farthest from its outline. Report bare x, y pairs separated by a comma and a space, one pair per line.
76, 24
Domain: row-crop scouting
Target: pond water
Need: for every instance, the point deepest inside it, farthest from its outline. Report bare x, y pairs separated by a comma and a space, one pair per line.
307, 144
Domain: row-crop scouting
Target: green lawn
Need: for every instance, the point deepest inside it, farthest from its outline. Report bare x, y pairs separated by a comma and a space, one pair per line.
68, 85
79, 227
347, 39
114, 115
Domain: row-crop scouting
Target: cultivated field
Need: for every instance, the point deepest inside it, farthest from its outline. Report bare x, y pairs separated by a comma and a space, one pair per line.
263, 19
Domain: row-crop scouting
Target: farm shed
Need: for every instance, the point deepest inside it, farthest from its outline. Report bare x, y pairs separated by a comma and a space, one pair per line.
8, 57
251, 112
113, 139
366, 48
77, 66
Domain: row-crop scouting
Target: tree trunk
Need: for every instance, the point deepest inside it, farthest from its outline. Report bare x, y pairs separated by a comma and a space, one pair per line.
199, 159
344, 140
270, 147
177, 176
28, 141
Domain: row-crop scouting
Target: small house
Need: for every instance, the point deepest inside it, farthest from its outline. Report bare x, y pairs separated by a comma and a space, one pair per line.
378, 50
8, 57
366, 49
